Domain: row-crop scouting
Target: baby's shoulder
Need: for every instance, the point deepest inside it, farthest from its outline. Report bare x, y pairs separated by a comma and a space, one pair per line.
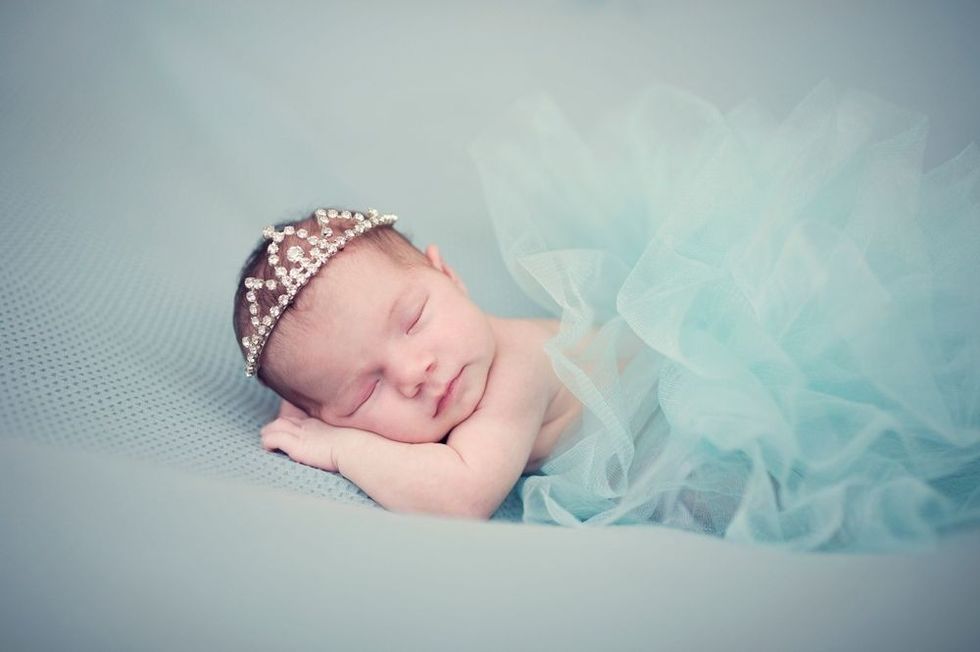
520, 377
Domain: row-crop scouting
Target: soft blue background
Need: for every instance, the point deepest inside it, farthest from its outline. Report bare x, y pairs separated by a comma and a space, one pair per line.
142, 148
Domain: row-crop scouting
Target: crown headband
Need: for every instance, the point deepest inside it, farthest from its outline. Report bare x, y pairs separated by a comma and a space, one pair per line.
306, 264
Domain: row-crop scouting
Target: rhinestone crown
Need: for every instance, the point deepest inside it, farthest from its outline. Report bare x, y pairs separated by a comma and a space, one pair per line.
305, 263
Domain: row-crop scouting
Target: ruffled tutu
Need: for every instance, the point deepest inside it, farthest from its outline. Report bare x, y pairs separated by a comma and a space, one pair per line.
786, 347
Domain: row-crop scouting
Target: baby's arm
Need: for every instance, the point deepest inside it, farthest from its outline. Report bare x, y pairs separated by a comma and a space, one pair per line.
469, 475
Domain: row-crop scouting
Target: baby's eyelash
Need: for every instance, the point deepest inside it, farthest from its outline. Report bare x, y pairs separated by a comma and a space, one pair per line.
418, 317
368, 397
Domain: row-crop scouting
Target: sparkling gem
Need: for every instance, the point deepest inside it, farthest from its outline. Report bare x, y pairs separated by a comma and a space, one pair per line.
270, 284
294, 253
359, 217
274, 311
267, 320
250, 296
345, 214
254, 309
320, 213
273, 260
332, 213
301, 234
313, 239
289, 230
255, 321
268, 232
273, 248
283, 299
277, 237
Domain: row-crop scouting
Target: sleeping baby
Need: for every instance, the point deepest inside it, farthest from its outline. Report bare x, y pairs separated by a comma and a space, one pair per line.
389, 373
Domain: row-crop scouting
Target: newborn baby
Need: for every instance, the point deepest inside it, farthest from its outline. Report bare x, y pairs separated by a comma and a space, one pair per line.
390, 374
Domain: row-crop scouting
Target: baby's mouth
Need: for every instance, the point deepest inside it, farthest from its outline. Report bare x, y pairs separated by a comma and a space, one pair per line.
449, 395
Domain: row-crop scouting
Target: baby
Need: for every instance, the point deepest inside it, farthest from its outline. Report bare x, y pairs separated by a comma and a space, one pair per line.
389, 373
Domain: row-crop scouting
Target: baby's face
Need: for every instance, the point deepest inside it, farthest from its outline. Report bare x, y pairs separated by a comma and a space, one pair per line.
382, 343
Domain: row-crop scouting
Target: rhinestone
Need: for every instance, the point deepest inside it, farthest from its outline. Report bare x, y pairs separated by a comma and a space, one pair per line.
280, 271
359, 228
327, 233
261, 330
349, 234
320, 213
331, 249
273, 248
283, 300
255, 321
294, 253
289, 230
332, 213
274, 311
273, 260
345, 214
277, 237
313, 239
267, 320
268, 232
254, 309
358, 217
245, 341
301, 234
250, 296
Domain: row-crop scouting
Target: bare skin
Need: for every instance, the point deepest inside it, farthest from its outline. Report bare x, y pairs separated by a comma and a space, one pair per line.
409, 445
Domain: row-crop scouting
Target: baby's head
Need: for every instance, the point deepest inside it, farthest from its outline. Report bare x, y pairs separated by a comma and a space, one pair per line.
374, 338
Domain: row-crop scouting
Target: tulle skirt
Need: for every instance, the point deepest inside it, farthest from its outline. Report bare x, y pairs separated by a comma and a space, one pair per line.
783, 316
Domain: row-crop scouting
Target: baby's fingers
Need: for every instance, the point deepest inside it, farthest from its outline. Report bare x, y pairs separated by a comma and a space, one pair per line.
279, 439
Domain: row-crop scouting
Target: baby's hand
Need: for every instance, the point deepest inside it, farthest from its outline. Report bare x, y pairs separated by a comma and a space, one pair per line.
305, 440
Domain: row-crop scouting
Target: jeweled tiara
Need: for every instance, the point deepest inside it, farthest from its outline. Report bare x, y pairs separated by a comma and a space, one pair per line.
306, 263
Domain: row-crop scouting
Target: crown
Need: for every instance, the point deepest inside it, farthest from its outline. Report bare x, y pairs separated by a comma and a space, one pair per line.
306, 263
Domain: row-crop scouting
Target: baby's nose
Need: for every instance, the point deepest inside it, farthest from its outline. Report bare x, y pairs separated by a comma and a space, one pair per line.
416, 377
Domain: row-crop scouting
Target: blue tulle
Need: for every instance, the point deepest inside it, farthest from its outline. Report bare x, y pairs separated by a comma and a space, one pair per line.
787, 346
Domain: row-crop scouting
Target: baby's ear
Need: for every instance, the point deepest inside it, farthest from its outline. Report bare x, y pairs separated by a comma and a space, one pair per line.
432, 253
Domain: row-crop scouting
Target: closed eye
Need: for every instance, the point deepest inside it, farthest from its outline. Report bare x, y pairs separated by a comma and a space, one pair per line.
418, 317
366, 398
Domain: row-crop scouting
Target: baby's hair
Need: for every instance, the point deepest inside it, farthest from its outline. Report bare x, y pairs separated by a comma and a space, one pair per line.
383, 238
